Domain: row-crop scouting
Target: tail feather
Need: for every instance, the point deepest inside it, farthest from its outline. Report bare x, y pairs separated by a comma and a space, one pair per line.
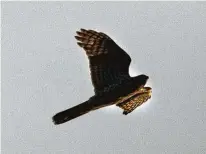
81, 109
72, 113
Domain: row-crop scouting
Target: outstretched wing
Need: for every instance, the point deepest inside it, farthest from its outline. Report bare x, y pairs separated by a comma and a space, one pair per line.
138, 99
109, 64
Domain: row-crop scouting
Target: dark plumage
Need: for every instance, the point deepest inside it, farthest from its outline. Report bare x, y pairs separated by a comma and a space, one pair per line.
109, 67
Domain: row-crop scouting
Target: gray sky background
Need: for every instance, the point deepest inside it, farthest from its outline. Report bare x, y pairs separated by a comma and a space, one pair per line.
44, 72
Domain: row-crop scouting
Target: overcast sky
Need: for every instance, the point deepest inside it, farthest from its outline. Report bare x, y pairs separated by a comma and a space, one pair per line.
44, 72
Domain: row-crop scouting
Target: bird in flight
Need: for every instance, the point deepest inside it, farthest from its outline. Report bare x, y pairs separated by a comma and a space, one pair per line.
109, 69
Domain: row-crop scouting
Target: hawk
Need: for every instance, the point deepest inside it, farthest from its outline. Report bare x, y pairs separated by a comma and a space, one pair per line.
109, 68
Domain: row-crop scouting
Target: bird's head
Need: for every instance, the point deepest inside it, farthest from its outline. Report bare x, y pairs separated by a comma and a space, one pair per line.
141, 79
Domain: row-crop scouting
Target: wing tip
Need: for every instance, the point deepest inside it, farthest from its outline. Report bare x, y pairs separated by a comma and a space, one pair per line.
80, 44
78, 38
125, 112
83, 30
